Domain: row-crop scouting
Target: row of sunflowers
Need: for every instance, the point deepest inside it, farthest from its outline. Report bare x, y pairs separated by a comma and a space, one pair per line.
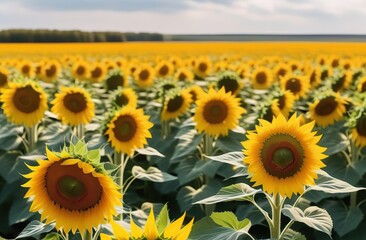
231, 147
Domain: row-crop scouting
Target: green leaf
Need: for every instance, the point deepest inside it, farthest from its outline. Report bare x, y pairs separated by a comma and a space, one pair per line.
232, 158
235, 192
231, 142
163, 219
228, 219
338, 167
35, 228
206, 228
329, 184
149, 151
293, 235
334, 141
80, 148
187, 145
52, 236
345, 219
152, 174
313, 216
93, 155
19, 211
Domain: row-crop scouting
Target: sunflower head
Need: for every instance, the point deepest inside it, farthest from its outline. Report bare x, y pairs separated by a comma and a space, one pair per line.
123, 97
217, 112
261, 78
26, 68
283, 156
24, 102
80, 70
98, 72
196, 92
361, 85
280, 70
153, 229
4, 73
128, 129
297, 84
341, 80
184, 74
202, 67
73, 106
50, 71
356, 122
176, 104
144, 75
164, 69
116, 78
229, 81
327, 108
72, 189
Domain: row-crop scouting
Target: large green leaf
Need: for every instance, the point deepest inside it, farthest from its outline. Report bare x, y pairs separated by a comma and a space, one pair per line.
345, 219
313, 216
187, 145
149, 151
207, 228
334, 140
329, 184
152, 174
19, 211
338, 167
293, 235
232, 142
34, 229
228, 219
235, 192
232, 158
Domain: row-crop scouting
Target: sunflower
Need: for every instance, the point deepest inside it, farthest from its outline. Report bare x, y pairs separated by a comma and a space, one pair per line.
98, 71
358, 132
172, 231
50, 71
261, 78
80, 70
295, 65
124, 97
164, 69
280, 70
229, 81
315, 76
24, 103
243, 71
121, 62
202, 67
144, 75
217, 112
176, 61
220, 66
184, 74
342, 81
128, 130
4, 73
327, 109
73, 105
334, 61
361, 86
283, 156
196, 92
176, 105
116, 78
71, 190
285, 102
298, 85
26, 68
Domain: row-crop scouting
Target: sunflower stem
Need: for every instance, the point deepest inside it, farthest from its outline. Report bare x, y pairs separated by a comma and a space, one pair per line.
32, 137
276, 217
165, 129
79, 131
119, 160
87, 235
355, 155
207, 151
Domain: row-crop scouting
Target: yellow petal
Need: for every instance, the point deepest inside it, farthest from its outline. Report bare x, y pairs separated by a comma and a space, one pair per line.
173, 229
136, 231
105, 237
119, 232
184, 233
151, 231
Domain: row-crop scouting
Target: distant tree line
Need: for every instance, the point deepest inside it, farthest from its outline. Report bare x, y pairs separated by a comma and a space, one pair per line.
23, 35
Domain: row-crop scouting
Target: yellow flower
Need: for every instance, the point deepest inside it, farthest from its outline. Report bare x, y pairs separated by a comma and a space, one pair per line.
342, 82
124, 97
328, 109
358, 133
80, 70
73, 105
4, 73
116, 78
98, 72
24, 103
202, 67
72, 192
298, 85
164, 69
26, 68
173, 231
128, 130
176, 105
283, 156
144, 75
361, 86
285, 103
261, 78
281, 70
184, 74
217, 113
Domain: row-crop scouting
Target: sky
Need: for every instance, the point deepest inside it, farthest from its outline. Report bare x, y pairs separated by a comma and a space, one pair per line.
188, 16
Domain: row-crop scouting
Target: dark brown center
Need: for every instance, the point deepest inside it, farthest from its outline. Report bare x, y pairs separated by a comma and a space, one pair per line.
75, 102
70, 188
230, 85
282, 72
163, 70
122, 100
175, 104
293, 85
26, 69
339, 84
51, 71
335, 63
125, 128
363, 88
115, 81
202, 67
26, 99
215, 112
182, 77
80, 70
313, 77
282, 155
3, 79
361, 126
261, 78
326, 106
282, 102
144, 75
96, 72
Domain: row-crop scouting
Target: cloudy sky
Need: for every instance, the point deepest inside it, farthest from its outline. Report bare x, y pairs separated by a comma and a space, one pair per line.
189, 16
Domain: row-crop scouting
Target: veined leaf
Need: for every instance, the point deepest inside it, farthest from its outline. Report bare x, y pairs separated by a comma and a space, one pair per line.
152, 174
232, 158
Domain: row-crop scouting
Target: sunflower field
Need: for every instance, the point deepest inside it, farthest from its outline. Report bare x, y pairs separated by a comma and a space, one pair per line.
176, 141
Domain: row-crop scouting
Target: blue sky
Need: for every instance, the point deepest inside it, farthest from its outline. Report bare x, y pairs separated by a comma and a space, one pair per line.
189, 16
